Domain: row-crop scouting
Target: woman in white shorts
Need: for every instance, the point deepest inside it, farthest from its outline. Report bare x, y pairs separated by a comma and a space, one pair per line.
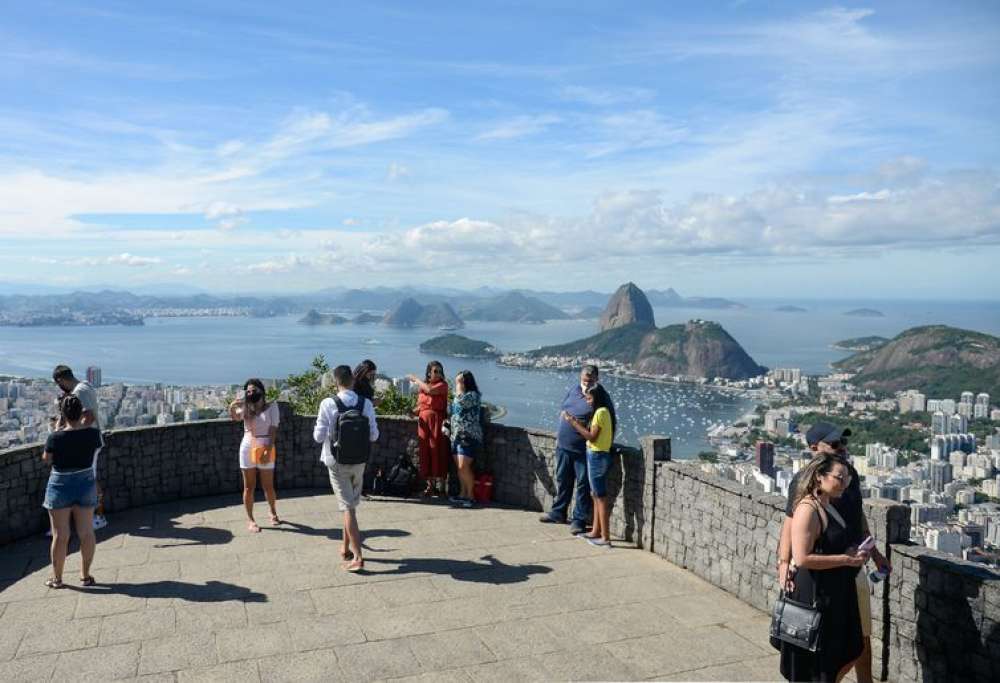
260, 429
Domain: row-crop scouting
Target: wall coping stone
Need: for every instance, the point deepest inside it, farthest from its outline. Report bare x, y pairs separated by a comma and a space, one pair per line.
945, 561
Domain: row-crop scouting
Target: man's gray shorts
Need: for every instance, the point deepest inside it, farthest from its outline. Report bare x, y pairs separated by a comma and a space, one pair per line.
347, 481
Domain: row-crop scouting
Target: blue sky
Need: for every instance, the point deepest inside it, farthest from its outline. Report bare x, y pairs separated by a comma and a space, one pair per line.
732, 148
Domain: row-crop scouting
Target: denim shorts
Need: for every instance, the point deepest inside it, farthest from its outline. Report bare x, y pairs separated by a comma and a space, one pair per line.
598, 463
469, 449
66, 489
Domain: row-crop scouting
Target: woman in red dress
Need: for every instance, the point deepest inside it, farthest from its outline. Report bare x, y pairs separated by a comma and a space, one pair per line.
432, 411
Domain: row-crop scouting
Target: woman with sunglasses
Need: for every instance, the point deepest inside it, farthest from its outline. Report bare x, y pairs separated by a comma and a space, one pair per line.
257, 449
432, 411
824, 562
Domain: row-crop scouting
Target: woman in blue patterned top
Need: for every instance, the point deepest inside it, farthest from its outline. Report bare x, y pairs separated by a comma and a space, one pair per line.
466, 434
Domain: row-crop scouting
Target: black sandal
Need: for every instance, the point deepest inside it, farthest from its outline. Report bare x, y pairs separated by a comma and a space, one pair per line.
88, 581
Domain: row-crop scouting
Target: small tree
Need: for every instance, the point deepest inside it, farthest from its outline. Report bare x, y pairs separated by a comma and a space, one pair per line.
393, 402
306, 391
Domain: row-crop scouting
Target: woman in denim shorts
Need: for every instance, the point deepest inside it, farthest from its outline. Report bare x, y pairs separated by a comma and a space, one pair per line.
600, 436
72, 491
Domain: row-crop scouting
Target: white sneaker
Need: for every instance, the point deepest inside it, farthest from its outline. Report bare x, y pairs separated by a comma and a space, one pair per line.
100, 522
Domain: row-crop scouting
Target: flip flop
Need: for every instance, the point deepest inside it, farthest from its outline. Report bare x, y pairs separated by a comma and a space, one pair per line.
353, 565
275, 520
54, 583
88, 581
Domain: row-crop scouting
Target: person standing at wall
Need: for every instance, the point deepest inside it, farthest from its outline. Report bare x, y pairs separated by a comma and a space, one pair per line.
71, 492
826, 438
466, 434
258, 447
346, 426
432, 410
599, 435
364, 380
571, 457
63, 376
825, 561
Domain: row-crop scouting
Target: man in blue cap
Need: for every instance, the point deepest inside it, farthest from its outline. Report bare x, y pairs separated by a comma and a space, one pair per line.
826, 438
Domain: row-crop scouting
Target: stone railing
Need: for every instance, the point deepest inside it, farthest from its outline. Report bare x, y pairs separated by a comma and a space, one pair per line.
935, 619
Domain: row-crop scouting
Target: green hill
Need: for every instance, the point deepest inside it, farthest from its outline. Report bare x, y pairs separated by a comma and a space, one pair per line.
459, 346
513, 307
697, 348
937, 360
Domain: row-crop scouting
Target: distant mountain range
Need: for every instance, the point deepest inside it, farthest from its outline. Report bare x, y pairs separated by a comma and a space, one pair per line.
485, 304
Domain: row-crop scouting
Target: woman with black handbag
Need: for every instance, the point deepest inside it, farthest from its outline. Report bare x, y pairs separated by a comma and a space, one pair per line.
823, 577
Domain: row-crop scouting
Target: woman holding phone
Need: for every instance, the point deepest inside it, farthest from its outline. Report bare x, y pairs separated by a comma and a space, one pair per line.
257, 449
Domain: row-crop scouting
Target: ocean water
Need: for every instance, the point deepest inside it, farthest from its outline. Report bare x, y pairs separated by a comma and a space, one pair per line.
228, 350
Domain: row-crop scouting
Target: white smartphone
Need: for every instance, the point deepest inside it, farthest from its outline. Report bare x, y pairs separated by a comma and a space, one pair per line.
867, 545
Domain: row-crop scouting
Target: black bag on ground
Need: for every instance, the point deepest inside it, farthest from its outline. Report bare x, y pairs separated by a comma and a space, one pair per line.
401, 479
352, 434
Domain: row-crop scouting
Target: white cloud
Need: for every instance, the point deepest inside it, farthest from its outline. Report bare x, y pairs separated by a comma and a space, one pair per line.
397, 172
126, 259
519, 127
605, 96
281, 265
352, 222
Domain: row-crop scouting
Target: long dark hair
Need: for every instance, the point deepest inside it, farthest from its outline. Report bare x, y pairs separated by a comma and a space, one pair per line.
250, 407
430, 366
602, 399
362, 369
468, 381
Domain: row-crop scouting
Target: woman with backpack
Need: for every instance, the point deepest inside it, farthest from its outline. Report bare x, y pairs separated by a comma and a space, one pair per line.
257, 449
432, 410
466, 434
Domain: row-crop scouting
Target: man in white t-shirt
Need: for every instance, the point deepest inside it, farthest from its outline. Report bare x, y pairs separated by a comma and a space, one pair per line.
64, 378
346, 479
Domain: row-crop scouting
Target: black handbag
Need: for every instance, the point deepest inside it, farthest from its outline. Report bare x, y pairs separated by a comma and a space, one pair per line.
796, 623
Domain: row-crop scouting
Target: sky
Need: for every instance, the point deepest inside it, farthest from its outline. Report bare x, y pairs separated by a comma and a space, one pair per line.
755, 149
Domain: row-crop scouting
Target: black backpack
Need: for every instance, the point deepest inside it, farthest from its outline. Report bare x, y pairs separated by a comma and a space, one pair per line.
352, 434
401, 479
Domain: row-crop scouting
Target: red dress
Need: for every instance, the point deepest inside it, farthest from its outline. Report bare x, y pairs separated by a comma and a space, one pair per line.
434, 446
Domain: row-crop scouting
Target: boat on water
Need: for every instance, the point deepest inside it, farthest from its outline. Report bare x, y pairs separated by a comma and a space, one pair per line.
371, 342
448, 328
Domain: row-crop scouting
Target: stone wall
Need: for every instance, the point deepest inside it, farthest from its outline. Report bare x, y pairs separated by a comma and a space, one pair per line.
146, 465
945, 618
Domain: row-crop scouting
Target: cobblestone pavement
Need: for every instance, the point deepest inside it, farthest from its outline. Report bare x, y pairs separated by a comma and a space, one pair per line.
185, 593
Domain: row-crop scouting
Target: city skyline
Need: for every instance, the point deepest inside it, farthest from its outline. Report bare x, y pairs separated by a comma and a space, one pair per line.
733, 149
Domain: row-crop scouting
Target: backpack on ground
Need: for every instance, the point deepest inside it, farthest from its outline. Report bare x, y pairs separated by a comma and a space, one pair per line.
401, 479
352, 434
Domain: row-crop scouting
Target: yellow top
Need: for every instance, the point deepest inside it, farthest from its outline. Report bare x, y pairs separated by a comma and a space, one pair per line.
602, 418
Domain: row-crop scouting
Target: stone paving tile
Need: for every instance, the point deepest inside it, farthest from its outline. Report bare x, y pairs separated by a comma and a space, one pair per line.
98, 664
682, 650
150, 572
592, 663
10, 638
763, 669
144, 625
519, 638
13, 566
354, 599
522, 670
58, 607
253, 641
208, 617
280, 607
186, 651
447, 676
373, 661
407, 592
755, 629
36, 668
313, 633
317, 665
99, 602
701, 609
437, 651
59, 636
237, 672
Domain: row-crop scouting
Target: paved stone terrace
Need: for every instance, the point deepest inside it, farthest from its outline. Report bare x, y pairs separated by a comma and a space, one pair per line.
186, 593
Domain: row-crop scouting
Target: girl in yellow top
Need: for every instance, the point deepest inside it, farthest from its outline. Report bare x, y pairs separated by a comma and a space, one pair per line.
599, 437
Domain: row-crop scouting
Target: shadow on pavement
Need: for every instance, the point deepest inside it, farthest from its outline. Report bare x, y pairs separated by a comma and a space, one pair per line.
491, 571
210, 591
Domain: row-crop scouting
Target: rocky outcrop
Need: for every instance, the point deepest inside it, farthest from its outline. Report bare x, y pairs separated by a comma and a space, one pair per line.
410, 313
628, 305
513, 307
314, 317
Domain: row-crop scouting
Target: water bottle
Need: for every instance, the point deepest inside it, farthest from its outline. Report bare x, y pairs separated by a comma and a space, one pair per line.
878, 575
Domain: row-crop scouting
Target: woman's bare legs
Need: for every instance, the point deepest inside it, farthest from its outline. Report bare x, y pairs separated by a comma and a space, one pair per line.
601, 515
59, 519
267, 483
83, 518
249, 484
466, 477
